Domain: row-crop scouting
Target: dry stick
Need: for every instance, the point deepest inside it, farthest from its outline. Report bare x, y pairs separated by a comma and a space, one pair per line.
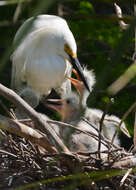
134, 138
92, 125
104, 141
93, 135
134, 57
101, 125
124, 130
126, 162
134, 54
125, 176
17, 11
123, 118
6, 110
17, 128
123, 80
122, 24
96, 152
103, 137
22, 105
130, 73
8, 153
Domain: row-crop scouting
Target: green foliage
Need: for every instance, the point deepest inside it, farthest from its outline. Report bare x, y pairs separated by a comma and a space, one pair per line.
85, 178
85, 8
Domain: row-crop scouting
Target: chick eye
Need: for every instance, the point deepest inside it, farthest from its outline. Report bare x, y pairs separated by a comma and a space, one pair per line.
68, 101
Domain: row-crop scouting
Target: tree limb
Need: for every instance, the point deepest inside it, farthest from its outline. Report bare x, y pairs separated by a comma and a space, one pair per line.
17, 128
122, 24
40, 123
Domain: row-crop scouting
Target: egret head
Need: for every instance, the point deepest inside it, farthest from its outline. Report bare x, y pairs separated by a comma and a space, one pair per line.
79, 85
70, 49
68, 107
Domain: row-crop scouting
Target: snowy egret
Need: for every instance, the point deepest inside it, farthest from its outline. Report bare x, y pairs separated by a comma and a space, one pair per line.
43, 59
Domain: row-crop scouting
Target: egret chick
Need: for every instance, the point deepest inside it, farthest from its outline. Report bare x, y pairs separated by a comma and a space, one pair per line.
44, 58
110, 122
71, 113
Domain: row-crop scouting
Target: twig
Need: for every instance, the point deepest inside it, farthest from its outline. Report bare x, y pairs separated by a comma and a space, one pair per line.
92, 125
125, 162
6, 110
103, 137
60, 10
123, 80
125, 176
17, 128
13, 114
8, 153
122, 24
101, 125
123, 118
134, 54
134, 138
17, 11
23, 106
89, 133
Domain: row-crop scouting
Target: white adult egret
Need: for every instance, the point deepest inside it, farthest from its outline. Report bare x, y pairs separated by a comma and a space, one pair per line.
43, 59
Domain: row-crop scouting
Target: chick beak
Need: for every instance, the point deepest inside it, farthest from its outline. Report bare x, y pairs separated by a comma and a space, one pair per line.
55, 104
77, 84
76, 74
78, 68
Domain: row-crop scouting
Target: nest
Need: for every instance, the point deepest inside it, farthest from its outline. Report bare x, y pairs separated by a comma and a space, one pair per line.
29, 159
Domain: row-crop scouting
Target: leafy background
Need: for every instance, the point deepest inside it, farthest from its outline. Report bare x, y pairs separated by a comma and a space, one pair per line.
102, 45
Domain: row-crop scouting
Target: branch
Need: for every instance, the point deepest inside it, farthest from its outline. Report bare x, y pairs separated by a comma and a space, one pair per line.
125, 162
134, 138
101, 125
122, 120
122, 24
123, 80
40, 123
94, 135
17, 128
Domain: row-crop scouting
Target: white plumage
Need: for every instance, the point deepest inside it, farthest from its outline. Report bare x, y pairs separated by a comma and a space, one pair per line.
42, 59
72, 108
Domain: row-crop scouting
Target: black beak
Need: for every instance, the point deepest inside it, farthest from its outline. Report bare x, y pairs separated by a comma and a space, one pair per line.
78, 68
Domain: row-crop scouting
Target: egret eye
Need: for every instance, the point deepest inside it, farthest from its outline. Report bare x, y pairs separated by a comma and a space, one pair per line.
69, 51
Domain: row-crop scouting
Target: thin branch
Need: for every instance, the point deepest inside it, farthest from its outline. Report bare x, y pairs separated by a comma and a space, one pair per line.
13, 114
104, 141
134, 54
101, 125
8, 153
123, 118
123, 80
125, 176
40, 123
17, 128
17, 11
103, 137
134, 138
122, 24
6, 110
126, 162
